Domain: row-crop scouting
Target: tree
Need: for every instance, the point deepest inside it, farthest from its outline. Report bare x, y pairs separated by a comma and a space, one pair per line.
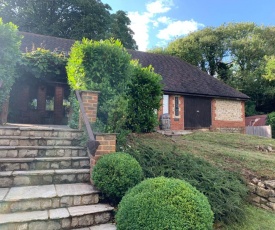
72, 19
234, 53
9, 56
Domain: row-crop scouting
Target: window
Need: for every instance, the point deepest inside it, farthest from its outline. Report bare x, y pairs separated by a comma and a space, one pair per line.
165, 104
177, 113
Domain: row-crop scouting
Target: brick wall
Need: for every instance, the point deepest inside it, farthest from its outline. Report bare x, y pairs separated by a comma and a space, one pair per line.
107, 145
90, 100
228, 115
177, 122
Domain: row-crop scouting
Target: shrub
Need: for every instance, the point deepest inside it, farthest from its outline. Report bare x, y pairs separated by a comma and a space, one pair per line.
115, 173
271, 121
225, 190
10, 42
164, 203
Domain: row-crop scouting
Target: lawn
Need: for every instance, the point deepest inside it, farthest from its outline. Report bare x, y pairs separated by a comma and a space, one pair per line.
235, 152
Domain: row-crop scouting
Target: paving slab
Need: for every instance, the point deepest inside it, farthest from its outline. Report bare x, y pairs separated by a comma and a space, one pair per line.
103, 227
88, 209
6, 173
33, 172
23, 217
59, 213
74, 189
71, 171
3, 193
31, 192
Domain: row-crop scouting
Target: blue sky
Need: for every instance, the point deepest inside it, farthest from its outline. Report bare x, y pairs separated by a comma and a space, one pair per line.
156, 22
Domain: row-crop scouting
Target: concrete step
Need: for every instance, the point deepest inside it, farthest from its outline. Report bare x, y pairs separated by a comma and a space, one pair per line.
38, 141
40, 132
62, 218
34, 198
108, 226
41, 151
43, 177
39, 163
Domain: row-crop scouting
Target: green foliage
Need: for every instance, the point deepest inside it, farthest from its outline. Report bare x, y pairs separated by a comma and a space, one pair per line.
41, 63
271, 121
73, 121
129, 94
115, 173
224, 190
164, 203
145, 93
73, 19
9, 56
239, 54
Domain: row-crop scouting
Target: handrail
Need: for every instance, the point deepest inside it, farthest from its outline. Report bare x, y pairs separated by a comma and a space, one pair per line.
92, 143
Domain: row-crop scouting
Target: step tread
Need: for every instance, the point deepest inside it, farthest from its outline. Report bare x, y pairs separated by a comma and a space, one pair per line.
40, 147
37, 138
53, 213
99, 227
45, 191
23, 160
44, 172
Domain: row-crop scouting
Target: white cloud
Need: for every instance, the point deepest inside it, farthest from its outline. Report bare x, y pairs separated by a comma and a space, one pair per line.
164, 20
141, 23
159, 6
140, 26
178, 28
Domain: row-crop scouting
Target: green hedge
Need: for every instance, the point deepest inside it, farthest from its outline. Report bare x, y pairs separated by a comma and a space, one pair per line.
115, 173
164, 203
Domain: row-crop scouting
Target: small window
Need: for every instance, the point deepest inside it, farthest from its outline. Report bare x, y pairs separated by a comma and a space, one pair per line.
177, 113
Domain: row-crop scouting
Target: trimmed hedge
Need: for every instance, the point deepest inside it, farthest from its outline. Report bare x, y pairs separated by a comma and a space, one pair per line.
115, 173
164, 203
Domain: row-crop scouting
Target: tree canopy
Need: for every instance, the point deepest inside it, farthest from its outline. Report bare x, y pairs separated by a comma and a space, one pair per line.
72, 19
236, 53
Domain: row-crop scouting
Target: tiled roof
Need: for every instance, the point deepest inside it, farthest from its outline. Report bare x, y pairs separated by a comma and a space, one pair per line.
257, 120
178, 76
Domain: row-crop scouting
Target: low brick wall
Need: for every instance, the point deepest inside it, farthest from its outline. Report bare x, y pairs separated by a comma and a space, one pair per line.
262, 193
107, 145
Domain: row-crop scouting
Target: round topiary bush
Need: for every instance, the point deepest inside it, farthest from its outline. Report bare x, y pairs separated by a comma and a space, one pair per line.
115, 173
164, 203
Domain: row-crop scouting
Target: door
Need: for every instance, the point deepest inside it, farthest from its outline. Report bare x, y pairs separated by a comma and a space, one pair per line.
197, 112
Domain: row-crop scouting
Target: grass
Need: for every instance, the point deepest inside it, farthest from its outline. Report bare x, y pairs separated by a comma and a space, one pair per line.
235, 152
257, 219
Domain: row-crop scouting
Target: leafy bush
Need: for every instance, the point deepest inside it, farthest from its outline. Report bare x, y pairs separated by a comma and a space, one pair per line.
225, 191
115, 173
164, 203
145, 92
10, 42
271, 121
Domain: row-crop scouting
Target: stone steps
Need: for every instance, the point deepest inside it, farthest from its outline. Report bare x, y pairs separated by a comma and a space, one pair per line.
61, 218
40, 163
40, 132
33, 198
45, 181
38, 141
43, 177
41, 151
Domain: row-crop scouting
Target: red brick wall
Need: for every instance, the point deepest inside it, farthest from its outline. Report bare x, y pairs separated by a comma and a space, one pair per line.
107, 145
90, 100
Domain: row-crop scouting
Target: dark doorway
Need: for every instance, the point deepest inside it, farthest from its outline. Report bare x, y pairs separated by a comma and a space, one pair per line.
197, 112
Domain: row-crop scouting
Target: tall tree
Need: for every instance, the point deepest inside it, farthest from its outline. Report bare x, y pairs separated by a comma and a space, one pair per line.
235, 54
72, 19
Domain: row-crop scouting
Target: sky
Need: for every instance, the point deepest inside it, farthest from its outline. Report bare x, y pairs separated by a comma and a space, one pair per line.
157, 22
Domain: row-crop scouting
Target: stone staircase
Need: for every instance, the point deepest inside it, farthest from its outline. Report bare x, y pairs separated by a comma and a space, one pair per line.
45, 182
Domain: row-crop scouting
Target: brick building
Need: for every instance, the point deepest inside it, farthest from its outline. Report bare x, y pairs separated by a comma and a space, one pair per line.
191, 97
